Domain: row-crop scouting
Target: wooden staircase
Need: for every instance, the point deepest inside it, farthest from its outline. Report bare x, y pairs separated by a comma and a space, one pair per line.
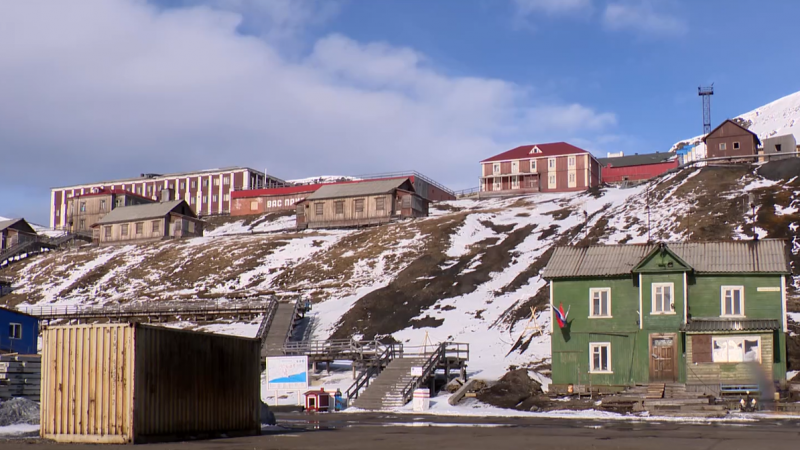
387, 389
662, 399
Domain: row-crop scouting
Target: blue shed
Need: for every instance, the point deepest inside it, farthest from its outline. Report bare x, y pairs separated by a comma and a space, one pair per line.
19, 332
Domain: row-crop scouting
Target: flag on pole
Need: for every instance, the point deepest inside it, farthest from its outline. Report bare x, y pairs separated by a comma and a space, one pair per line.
561, 316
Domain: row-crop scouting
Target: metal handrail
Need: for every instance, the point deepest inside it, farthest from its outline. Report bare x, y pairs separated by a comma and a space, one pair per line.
389, 353
444, 350
467, 192
138, 309
266, 323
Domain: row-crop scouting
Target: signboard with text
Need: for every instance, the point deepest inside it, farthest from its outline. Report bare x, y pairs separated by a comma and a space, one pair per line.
286, 373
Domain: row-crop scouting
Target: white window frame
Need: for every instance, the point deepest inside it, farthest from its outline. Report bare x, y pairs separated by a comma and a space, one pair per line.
226, 181
592, 347
723, 146
216, 181
214, 198
12, 327
497, 184
226, 197
533, 166
592, 292
496, 168
552, 181
205, 199
653, 288
514, 166
571, 161
551, 163
515, 182
572, 179
723, 290
741, 338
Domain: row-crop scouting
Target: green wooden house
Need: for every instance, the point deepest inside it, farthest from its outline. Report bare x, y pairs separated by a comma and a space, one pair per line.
702, 314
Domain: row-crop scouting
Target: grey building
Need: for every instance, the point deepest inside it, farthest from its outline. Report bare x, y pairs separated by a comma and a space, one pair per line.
785, 143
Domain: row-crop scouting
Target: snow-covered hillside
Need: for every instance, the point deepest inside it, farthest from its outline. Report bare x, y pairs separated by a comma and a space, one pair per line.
777, 118
470, 272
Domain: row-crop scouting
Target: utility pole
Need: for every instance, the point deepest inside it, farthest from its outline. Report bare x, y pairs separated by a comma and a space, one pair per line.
706, 93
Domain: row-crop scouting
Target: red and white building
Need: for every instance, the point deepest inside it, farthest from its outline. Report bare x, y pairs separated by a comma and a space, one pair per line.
208, 192
554, 167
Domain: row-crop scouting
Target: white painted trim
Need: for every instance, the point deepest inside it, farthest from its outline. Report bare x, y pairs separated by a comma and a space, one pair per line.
640, 302
586, 170
221, 187
591, 302
685, 300
722, 290
653, 287
592, 345
52, 209
784, 312
552, 308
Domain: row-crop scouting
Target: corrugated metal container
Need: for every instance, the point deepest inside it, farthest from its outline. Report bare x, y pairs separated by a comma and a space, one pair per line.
132, 383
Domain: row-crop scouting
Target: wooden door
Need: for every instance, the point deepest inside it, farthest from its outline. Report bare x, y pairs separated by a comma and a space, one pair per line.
663, 357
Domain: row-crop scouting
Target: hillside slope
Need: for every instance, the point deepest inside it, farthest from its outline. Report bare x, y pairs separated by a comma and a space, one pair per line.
470, 272
776, 118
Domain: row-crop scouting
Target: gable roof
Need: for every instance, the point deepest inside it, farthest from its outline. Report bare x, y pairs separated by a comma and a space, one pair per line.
144, 212
731, 121
764, 256
637, 160
376, 187
18, 224
524, 151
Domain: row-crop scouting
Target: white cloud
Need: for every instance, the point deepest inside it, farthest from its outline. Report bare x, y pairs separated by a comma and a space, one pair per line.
105, 89
553, 7
643, 17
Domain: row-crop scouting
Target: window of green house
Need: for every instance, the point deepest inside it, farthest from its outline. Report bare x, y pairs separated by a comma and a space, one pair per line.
600, 302
600, 357
734, 349
732, 301
663, 298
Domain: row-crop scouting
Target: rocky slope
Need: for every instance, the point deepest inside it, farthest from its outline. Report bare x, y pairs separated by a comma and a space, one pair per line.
470, 272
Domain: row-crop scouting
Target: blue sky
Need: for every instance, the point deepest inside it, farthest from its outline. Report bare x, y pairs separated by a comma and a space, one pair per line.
107, 89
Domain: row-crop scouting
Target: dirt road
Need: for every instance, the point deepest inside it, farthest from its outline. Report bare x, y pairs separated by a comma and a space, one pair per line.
389, 432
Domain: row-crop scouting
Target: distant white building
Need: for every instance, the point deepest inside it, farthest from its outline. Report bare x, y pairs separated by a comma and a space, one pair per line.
785, 143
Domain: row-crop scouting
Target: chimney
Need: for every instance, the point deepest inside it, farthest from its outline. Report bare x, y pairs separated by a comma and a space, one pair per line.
166, 195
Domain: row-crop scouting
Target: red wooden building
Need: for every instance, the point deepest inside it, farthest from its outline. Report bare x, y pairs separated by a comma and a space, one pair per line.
636, 168
554, 167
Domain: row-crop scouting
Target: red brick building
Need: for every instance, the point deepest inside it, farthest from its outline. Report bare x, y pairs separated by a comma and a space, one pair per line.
207, 192
554, 167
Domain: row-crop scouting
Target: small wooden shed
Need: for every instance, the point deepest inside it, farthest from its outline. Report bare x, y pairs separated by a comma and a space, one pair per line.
318, 400
133, 383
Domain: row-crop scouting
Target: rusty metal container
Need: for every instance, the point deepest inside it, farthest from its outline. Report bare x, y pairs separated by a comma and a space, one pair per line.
133, 383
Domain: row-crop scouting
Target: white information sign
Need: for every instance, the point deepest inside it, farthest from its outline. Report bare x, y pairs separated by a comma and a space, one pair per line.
287, 373
416, 371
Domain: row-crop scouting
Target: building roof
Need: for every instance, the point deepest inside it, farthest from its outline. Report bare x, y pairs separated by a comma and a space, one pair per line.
142, 212
717, 325
17, 312
158, 176
733, 122
527, 151
764, 256
637, 160
376, 187
4, 224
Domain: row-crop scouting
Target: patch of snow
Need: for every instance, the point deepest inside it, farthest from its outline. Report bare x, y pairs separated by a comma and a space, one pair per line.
322, 179
794, 316
785, 211
758, 183
19, 429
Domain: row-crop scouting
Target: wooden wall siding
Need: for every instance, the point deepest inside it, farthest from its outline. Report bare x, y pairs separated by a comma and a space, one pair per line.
125, 383
350, 215
87, 385
728, 134
179, 394
705, 295
721, 373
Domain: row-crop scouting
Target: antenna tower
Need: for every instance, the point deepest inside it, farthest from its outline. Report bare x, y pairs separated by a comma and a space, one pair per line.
706, 93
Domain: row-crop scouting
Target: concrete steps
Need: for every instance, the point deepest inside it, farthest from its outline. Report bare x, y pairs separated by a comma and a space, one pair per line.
276, 335
386, 391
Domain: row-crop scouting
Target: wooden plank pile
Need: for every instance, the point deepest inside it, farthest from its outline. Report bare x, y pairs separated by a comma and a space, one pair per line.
20, 376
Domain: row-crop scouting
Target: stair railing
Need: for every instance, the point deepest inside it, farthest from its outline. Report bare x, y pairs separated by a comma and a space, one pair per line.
445, 350
389, 353
266, 323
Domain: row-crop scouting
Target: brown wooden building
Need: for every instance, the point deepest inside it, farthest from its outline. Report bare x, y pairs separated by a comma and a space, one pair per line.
83, 211
730, 139
150, 222
554, 167
15, 231
360, 204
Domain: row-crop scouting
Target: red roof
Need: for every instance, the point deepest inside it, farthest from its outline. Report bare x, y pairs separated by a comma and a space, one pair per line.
524, 151
306, 188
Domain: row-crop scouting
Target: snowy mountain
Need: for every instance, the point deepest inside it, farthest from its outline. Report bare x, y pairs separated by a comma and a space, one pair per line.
470, 272
322, 179
777, 118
